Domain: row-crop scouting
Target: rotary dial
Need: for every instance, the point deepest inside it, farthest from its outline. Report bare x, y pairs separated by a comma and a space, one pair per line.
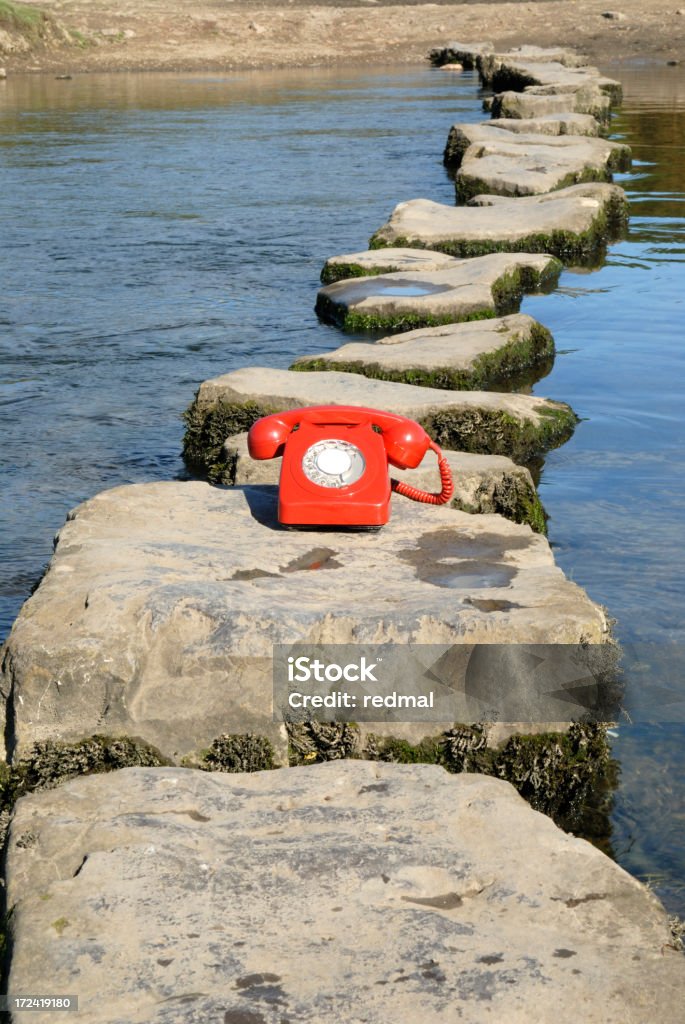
333, 463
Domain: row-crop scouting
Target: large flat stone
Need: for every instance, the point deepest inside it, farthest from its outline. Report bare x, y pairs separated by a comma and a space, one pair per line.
562, 123
519, 71
572, 223
342, 892
473, 355
494, 160
484, 422
390, 261
460, 53
469, 290
486, 138
470, 54
482, 483
159, 610
589, 100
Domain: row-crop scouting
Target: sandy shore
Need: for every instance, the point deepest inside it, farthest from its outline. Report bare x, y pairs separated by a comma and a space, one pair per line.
169, 35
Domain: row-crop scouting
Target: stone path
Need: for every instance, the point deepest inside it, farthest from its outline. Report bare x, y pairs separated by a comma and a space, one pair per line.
467, 290
159, 612
474, 355
493, 160
485, 422
390, 261
170, 895
344, 892
562, 123
573, 223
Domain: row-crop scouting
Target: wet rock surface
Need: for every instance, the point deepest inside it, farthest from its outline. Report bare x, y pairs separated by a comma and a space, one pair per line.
159, 611
572, 223
482, 483
470, 355
349, 891
469, 290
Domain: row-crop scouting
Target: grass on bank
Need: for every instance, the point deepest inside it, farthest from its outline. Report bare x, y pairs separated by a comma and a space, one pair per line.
20, 17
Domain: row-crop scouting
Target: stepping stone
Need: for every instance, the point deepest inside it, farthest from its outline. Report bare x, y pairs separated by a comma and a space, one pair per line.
159, 611
572, 223
369, 263
470, 54
492, 160
482, 483
488, 138
484, 422
549, 124
469, 290
589, 100
517, 72
471, 355
184, 896
467, 54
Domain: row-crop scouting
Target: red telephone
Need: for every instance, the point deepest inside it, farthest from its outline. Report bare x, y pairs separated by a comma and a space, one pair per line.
335, 464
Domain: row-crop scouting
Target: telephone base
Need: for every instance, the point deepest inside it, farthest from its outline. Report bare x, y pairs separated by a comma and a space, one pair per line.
331, 528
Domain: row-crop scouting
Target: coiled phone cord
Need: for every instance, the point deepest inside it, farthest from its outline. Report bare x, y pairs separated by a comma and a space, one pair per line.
399, 487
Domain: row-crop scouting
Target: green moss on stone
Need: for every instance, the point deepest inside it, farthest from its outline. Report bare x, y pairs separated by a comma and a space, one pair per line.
239, 752
506, 292
555, 772
483, 431
529, 509
586, 248
495, 432
312, 742
51, 762
410, 321
333, 272
207, 427
515, 498
469, 185
519, 353
396, 751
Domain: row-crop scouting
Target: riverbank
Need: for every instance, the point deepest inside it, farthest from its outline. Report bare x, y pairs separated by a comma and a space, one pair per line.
76, 36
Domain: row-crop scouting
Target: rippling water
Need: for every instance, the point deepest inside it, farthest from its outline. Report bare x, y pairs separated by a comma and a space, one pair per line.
161, 229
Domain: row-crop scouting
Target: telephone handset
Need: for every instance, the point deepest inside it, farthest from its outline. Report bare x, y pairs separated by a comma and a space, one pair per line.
335, 463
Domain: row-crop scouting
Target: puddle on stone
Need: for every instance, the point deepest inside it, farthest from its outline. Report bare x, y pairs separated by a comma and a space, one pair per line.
317, 558
469, 574
445, 559
369, 287
448, 901
410, 290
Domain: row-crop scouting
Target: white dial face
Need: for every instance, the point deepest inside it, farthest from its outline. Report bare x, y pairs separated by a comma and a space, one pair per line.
333, 463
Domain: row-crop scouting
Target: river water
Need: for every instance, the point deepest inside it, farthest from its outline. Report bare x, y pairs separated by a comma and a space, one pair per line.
162, 229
